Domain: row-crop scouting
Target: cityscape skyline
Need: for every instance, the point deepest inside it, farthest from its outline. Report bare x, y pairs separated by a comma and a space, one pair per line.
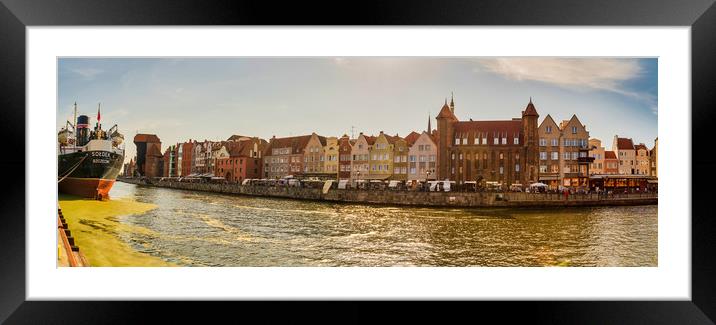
209, 98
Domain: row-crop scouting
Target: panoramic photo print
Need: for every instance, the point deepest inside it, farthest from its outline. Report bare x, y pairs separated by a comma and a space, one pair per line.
357, 161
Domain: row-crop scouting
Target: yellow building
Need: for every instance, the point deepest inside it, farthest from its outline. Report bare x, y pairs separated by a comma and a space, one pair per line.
330, 156
400, 159
643, 166
381, 158
596, 151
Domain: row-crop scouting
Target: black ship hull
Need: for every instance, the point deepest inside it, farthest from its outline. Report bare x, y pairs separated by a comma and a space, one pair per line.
89, 173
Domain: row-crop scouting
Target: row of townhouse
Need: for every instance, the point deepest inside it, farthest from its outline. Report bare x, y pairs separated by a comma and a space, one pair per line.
503, 152
625, 158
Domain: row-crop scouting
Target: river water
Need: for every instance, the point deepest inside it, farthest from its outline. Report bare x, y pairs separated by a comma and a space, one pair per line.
205, 229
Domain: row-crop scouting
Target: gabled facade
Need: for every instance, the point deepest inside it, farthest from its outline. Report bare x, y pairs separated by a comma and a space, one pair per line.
626, 153
381, 158
345, 161
643, 166
330, 156
400, 158
360, 154
422, 156
561, 146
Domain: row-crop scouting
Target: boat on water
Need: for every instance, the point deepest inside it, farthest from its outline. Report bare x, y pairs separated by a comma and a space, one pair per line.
88, 161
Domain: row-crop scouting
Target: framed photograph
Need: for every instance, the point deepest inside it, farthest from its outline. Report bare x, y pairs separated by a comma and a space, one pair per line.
464, 152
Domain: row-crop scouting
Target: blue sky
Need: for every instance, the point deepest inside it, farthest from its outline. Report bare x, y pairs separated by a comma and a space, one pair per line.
212, 98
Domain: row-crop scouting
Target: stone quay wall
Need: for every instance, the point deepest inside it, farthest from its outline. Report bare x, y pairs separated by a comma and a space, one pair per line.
413, 198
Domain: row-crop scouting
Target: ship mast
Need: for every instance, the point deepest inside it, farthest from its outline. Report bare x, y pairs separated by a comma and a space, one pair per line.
74, 120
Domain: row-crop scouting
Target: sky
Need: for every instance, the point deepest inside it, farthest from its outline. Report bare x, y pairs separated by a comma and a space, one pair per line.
212, 98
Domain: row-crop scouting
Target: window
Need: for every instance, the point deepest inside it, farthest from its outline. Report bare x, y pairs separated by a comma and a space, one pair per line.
517, 140
549, 129
555, 155
517, 167
517, 156
504, 140
543, 155
574, 130
457, 141
484, 140
574, 155
502, 170
432, 158
542, 142
501, 156
566, 156
497, 140
554, 142
464, 140
411, 158
427, 147
397, 159
453, 156
542, 168
412, 170
460, 156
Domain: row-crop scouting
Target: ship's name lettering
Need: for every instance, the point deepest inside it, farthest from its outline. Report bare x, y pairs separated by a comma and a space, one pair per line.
100, 154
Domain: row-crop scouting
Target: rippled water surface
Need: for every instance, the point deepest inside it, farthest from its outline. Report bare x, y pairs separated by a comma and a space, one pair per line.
205, 229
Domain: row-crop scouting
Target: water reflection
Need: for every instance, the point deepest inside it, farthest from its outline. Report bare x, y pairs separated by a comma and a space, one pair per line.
205, 229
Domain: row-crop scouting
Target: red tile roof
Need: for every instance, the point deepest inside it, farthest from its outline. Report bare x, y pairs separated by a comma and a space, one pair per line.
530, 110
641, 146
445, 112
146, 138
625, 143
610, 155
412, 137
508, 127
297, 143
370, 139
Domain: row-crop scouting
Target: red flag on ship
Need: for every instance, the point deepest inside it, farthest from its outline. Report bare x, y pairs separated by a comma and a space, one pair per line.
98, 116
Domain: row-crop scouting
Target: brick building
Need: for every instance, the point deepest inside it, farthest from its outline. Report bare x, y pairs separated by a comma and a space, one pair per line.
501, 152
345, 161
240, 159
171, 161
149, 155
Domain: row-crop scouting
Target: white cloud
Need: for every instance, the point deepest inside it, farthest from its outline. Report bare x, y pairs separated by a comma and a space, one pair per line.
87, 73
574, 73
604, 74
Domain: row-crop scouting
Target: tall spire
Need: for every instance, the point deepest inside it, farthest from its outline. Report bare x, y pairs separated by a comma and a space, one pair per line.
452, 102
429, 128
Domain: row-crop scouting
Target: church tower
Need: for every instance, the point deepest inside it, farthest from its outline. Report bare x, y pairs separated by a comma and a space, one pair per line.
445, 119
529, 129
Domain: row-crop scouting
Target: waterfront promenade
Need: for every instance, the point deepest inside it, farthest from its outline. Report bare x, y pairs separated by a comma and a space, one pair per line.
413, 198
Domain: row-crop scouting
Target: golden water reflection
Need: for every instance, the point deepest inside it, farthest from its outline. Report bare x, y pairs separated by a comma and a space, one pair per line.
205, 229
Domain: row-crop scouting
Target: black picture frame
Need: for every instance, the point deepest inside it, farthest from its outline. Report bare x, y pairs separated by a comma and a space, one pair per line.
15, 15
